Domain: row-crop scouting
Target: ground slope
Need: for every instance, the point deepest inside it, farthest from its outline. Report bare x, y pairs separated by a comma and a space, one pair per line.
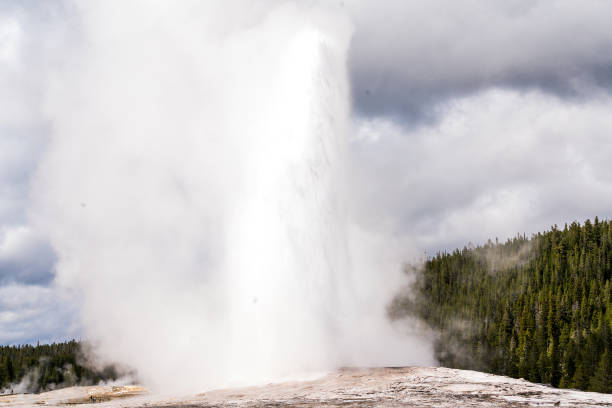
376, 387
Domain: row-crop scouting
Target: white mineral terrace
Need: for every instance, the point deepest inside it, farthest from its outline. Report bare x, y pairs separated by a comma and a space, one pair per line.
375, 387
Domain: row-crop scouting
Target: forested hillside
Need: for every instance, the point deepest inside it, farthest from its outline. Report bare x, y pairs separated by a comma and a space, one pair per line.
47, 366
537, 308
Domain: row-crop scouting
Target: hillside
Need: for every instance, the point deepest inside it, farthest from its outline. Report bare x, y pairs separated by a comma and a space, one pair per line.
537, 308
28, 368
357, 387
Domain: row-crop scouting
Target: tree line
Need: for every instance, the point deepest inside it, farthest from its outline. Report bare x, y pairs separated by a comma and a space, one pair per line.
28, 368
537, 308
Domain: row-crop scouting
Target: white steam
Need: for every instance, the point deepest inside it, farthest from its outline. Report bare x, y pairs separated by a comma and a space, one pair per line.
193, 190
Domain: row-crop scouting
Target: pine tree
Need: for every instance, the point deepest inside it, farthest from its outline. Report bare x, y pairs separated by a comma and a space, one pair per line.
536, 308
602, 379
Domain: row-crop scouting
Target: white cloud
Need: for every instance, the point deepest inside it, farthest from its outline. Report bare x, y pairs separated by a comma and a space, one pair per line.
10, 42
498, 163
27, 37
29, 313
25, 257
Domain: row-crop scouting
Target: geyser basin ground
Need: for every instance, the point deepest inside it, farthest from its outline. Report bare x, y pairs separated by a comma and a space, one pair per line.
372, 387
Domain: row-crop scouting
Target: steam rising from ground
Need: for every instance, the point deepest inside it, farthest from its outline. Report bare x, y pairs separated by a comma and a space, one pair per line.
193, 190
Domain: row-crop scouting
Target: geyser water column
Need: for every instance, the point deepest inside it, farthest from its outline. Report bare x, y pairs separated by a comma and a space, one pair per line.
286, 246
193, 186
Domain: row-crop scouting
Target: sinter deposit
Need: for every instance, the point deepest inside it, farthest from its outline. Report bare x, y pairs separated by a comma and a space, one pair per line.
376, 387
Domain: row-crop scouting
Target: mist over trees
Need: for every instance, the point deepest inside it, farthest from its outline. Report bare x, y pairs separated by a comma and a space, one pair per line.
537, 308
28, 368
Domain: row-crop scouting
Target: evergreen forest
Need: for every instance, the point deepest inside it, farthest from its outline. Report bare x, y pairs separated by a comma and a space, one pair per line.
538, 308
28, 368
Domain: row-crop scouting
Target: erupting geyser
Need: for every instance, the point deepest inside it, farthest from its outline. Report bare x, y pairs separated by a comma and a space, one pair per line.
193, 189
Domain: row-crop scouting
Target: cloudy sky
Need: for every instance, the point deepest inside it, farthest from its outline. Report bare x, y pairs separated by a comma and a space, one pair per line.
471, 120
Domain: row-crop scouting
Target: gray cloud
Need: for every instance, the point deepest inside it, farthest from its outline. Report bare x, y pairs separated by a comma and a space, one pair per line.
24, 257
27, 45
31, 309
30, 313
498, 163
408, 56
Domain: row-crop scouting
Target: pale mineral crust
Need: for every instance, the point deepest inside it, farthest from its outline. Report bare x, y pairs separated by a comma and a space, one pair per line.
348, 387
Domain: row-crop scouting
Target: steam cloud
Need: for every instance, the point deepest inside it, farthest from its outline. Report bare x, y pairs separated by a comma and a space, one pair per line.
193, 189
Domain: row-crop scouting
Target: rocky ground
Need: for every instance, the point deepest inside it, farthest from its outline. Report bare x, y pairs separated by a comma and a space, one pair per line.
375, 387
